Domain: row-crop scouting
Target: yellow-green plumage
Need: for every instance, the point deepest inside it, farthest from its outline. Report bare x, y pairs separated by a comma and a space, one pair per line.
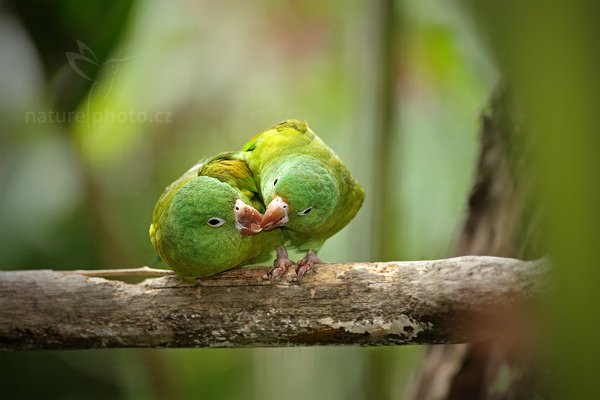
180, 230
290, 161
235, 173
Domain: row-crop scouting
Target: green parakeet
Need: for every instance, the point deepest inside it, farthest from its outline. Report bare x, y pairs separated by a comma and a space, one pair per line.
310, 193
207, 220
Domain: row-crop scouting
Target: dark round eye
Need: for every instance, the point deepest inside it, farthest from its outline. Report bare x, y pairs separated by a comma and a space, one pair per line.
215, 222
275, 181
307, 211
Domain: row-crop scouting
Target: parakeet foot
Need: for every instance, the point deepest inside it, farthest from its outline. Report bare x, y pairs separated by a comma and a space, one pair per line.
306, 264
281, 264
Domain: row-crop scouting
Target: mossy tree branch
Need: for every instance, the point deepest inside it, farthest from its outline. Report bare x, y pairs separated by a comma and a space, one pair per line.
358, 303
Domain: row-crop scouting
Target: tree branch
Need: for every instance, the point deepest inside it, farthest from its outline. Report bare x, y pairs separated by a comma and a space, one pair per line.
359, 303
111, 273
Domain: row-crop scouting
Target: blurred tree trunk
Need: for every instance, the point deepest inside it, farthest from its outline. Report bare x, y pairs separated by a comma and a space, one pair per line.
501, 221
383, 24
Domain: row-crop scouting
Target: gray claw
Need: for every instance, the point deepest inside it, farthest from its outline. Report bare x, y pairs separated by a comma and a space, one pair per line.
281, 264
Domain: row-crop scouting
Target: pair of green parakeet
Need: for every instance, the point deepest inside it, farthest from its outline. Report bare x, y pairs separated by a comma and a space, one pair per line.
209, 220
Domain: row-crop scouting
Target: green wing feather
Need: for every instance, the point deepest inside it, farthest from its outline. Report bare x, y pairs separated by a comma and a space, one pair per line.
167, 195
163, 203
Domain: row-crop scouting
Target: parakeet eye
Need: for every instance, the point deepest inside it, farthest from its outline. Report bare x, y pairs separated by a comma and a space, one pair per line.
307, 211
215, 222
275, 181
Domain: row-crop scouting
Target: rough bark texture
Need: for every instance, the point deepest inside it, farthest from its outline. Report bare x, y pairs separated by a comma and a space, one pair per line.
366, 304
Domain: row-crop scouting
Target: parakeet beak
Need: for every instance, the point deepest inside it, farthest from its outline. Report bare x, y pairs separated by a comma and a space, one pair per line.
247, 219
276, 214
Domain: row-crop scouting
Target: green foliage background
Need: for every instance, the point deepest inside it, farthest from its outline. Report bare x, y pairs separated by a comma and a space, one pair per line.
79, 194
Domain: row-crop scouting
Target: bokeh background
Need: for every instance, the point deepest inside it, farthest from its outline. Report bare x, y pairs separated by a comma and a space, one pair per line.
104, 103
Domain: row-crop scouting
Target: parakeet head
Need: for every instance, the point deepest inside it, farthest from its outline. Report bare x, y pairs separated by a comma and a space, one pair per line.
205, 226
302, 194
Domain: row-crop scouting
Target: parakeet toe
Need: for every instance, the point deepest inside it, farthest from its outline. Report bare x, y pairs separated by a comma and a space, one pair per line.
306, 264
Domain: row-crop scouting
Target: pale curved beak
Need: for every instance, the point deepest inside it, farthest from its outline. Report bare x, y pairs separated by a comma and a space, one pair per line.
247, 219
276, 214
